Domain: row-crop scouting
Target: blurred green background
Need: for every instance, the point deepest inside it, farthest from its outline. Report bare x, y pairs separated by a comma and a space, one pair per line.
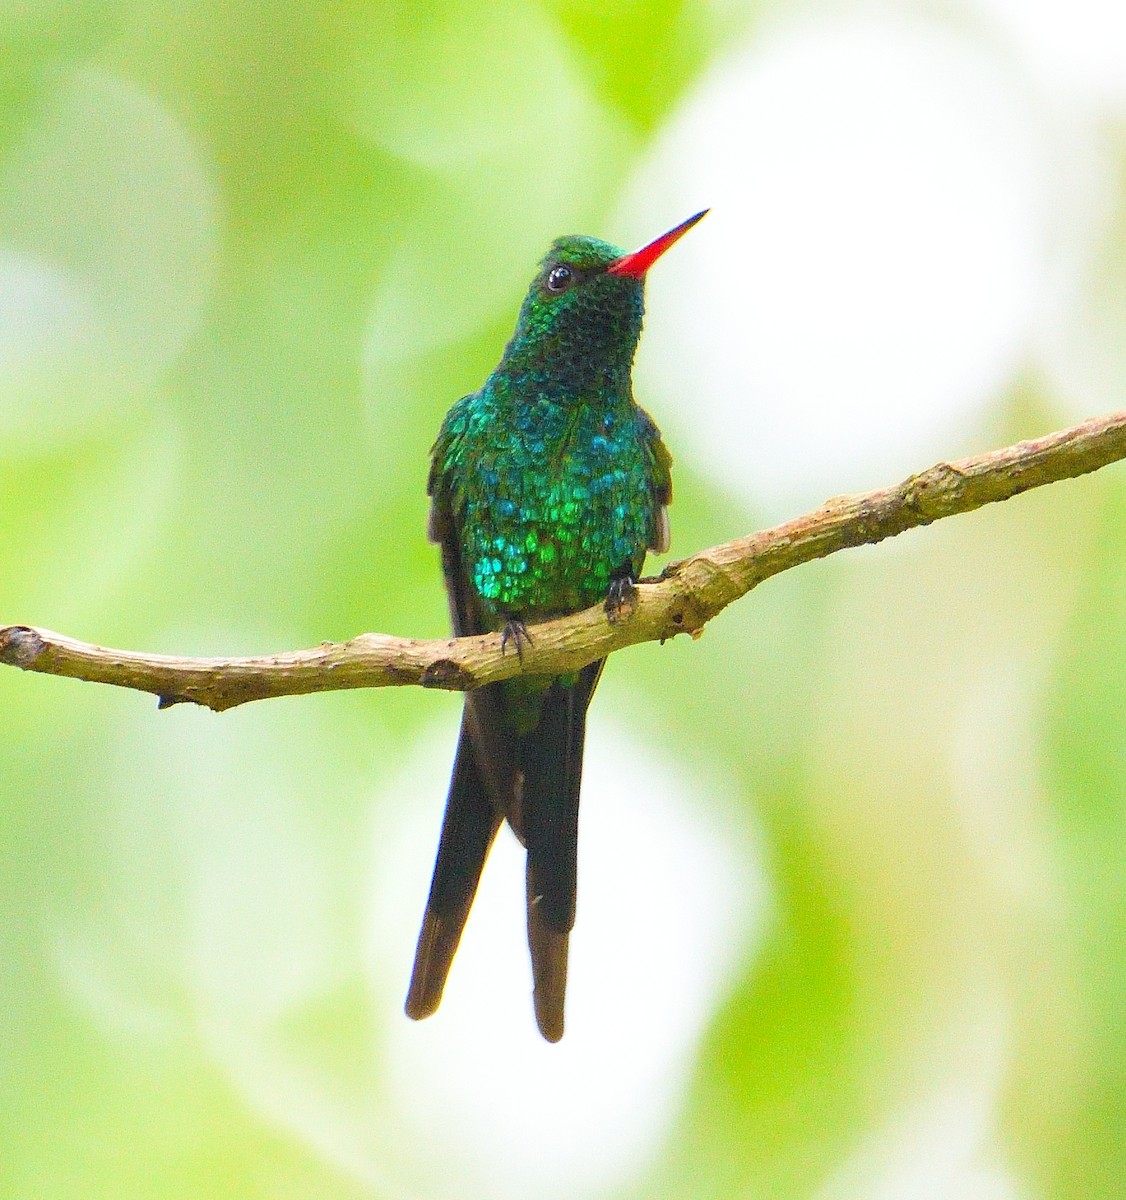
853, 905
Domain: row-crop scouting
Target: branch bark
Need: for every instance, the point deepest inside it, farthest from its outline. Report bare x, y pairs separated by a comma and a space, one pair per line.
683, 599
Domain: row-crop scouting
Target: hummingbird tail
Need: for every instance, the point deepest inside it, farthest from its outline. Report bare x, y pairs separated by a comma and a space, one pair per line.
470, 825
549, 969
551, 761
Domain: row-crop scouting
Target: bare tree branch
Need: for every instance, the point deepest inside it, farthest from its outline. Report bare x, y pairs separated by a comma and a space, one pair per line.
685, 597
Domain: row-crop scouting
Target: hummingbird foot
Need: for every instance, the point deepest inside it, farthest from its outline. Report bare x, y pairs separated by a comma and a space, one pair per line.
515, 631
620, 597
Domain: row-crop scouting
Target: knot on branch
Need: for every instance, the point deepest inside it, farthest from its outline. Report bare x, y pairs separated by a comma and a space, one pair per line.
20, 646
694, 606
930, 493
446, 674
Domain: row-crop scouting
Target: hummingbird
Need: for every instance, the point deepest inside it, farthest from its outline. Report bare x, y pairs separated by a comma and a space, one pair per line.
547, 487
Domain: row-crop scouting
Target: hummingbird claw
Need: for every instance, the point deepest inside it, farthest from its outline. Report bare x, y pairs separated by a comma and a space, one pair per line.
620, 597
515, 631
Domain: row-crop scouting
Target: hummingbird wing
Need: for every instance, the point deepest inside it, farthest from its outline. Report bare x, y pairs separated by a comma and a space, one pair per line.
660, 475
481, 786
551, 763
486, 724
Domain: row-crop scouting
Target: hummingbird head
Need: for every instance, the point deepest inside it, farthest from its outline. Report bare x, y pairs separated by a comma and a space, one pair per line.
581, 319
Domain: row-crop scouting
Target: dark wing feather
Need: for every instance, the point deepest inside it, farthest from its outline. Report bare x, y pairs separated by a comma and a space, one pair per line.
660, 467
482, 786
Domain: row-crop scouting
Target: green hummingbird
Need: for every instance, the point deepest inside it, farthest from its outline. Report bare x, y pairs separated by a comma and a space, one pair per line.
548, 486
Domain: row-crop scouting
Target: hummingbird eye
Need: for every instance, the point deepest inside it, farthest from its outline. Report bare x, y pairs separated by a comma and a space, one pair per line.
560, 278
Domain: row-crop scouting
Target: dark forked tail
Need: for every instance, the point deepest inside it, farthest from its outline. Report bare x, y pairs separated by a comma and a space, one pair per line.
534, 779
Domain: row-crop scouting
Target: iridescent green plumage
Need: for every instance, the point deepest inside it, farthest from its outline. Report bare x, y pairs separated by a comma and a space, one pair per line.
551, 474
548, 486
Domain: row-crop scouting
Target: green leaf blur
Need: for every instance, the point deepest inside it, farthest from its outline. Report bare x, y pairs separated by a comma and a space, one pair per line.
249, 254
